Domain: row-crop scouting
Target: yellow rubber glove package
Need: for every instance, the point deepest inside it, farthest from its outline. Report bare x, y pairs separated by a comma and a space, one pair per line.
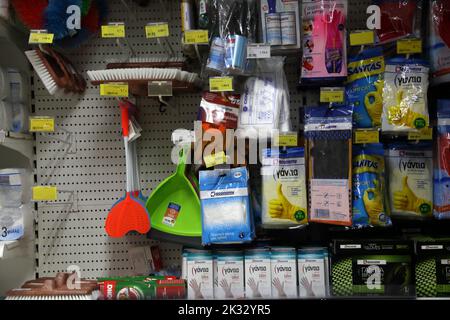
284, 200
405, 96
411, 180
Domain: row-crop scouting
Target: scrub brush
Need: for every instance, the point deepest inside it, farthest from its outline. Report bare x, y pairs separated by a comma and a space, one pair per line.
149, 62
58, 288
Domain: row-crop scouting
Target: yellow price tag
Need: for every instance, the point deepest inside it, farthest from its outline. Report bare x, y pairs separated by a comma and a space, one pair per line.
367, 136
215, 159
220, 84
360, 38
157, 30
114, 89
196, 36
328, 95
409, 46
424, 134
40, 37
42, 124
286, 140
44, 193
113, 31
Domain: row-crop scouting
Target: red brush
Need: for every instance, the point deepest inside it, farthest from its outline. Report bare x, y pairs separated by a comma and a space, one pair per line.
31, 13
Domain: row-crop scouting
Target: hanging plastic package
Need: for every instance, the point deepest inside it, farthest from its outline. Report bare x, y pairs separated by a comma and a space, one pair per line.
226, 215
405, 106
284, 200
364, 88
369, 187
439, 40
324, 41
410, 170
442, 163
219, 111
399, 19
328, 132
265, 101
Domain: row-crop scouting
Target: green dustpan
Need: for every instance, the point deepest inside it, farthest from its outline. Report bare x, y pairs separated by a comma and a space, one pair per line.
174, 206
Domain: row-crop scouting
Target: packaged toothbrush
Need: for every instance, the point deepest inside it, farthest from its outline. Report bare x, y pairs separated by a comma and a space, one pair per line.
226, 215
230, 275
284, 273
324, 58
442, 163
200, 274
328, 133
405, 106
258, 275
364, 89
312, 272
369, 186
410, 169
439, 40
284, 200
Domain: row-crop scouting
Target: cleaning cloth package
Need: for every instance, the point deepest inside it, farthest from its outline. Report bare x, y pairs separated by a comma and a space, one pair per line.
439, 40
405, 91
200, 274
433, 268
284, 200
313, 272
265, 101
364, 88
324, 41
372, 268
442, 163
230, 275
281, 24
258, 275
226, 215
284, 273
328, 132
369, 186
410, 170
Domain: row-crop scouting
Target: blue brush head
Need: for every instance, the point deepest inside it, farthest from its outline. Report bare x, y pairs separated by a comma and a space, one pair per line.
56, 17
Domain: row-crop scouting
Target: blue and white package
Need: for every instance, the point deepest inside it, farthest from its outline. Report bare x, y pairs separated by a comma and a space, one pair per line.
226, 214
364, 88
369, 186
442, 163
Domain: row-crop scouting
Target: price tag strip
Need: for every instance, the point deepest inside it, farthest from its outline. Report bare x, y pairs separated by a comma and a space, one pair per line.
409, 46
362, 37
113, 30
157, 30
329, 95
366, 136
40, 37
424, 134
42, 124
114, 89
258, 51
289, 139
44, 193
196, 37
220, 84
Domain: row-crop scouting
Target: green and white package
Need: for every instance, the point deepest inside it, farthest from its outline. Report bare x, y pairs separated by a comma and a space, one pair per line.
284, 199
410, 169
372, 268
405, 91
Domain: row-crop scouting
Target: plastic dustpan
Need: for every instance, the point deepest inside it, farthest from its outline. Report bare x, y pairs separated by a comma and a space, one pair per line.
174, 206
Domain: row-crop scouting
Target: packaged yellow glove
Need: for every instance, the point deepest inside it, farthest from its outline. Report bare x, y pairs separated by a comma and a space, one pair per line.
369, 187
411, 180
284, 199
405, 91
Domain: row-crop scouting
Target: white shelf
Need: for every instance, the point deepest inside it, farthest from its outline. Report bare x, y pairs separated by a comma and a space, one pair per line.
22, 143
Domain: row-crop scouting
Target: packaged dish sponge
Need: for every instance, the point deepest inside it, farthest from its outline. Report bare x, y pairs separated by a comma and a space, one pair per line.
364, 88
284, 188
369, 187
442, 163
411, 180
405, 96
226, 215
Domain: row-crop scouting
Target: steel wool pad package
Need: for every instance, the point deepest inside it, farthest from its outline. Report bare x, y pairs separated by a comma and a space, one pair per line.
312, 272
200, 274
284, 273
230, 275
410, 170
284, 200
226, 215
258, 276
405, 106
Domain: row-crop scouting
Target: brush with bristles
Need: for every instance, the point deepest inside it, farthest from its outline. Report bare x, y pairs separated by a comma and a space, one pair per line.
57, 288
148, 62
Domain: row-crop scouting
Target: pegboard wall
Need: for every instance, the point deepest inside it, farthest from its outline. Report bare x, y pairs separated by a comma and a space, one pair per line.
84, 157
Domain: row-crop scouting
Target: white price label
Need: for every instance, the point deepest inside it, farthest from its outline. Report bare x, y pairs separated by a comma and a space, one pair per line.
258, 51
